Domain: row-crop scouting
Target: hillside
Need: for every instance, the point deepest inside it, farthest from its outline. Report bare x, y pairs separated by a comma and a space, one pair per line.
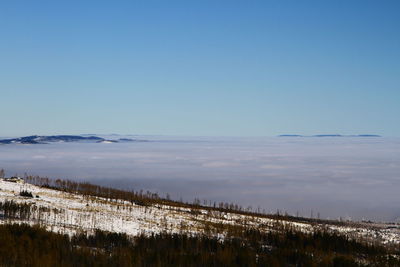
43, 139
89, 225
70, 213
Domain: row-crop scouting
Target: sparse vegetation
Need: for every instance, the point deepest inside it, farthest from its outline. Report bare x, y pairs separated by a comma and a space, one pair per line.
146, 198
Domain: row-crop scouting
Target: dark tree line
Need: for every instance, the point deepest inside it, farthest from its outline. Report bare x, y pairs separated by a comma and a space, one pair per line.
23, 245
12, 210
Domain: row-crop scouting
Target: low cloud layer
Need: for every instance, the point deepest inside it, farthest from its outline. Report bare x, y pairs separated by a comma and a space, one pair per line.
347, 177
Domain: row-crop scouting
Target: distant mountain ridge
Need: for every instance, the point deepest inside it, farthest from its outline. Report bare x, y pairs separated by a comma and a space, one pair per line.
329, 135
43, 139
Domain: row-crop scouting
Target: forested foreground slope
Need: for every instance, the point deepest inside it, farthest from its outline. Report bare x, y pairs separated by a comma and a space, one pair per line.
53, 222
23, 245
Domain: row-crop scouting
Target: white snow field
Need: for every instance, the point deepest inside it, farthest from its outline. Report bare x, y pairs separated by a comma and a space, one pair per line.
73, 213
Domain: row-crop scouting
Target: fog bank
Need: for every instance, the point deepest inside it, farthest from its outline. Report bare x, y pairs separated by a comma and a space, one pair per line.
347, 176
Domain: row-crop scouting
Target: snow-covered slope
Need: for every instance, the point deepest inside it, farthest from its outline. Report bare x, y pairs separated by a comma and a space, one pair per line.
71, 213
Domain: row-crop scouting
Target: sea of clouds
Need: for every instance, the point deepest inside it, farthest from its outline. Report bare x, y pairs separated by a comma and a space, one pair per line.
348, 177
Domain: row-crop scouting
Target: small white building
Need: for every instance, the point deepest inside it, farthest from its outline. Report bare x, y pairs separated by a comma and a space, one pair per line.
15, 179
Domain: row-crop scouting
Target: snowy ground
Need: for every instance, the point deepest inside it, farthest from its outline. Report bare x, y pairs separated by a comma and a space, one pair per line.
70, 213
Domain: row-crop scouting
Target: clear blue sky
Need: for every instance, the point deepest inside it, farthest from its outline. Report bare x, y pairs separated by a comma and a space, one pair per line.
200, 67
